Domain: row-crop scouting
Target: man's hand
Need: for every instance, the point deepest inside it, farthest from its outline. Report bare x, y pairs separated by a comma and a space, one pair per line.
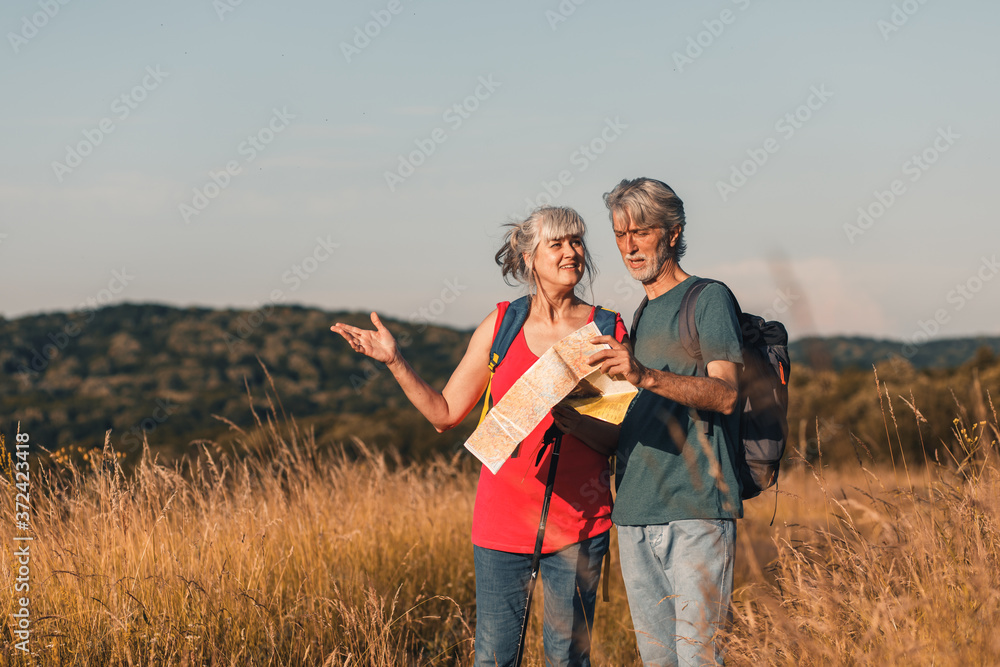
617, 362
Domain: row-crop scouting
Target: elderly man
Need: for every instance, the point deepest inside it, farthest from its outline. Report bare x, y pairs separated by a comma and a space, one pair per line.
678, 492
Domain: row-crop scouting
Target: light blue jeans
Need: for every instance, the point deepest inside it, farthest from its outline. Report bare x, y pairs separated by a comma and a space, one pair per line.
679, 580
569, 578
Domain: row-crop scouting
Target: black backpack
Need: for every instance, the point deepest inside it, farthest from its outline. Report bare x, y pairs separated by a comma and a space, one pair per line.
763, 401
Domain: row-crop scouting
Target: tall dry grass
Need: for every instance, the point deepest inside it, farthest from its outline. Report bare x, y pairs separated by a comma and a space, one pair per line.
276, 554
282, 552
896, 566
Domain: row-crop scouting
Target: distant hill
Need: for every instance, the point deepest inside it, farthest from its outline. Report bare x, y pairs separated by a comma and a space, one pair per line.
165, 371
843, 352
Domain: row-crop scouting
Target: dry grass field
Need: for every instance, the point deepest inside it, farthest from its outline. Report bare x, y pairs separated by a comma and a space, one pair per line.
283, 552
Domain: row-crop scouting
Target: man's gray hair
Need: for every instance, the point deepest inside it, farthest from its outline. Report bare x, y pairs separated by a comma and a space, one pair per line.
649, 203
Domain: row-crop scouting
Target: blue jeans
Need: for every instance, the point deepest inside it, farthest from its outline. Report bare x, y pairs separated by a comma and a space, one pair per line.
569, 578
679, 580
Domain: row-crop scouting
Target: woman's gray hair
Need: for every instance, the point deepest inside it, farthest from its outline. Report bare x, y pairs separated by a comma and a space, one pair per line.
649, 203
546, 223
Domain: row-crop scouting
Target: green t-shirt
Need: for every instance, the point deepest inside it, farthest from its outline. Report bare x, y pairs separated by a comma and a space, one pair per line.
665, 456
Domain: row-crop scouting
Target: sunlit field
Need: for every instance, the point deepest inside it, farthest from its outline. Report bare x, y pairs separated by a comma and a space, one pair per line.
283, 552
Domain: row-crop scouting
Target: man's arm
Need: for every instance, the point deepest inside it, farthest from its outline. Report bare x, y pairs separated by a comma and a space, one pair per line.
717, 393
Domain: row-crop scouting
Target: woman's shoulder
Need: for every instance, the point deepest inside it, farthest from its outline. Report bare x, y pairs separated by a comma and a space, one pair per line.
492, 320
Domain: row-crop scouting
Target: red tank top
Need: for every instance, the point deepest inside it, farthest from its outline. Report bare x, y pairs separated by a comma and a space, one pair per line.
509, 504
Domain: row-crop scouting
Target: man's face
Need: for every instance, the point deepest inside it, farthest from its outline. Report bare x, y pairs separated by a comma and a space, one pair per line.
645, 251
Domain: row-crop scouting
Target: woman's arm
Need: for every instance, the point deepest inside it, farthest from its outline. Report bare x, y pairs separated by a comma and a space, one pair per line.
444, 409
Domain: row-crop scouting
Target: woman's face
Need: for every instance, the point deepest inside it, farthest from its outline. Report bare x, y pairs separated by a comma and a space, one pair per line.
560, 262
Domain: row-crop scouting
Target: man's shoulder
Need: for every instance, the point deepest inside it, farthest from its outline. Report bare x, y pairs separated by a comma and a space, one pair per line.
717, 321
715, 295
713, 289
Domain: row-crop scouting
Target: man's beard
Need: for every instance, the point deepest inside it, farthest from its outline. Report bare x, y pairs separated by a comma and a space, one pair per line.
651, 270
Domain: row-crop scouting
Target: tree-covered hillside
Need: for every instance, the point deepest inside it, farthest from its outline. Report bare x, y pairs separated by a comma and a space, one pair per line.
166, 371
181, 375
843, 352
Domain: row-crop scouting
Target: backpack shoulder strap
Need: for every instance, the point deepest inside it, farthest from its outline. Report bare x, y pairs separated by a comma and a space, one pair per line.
688, 324
605, 320
512, 319
688, 328
635, 318
689, 332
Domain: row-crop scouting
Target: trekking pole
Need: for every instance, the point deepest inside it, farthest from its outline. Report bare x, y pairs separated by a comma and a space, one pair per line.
552, 436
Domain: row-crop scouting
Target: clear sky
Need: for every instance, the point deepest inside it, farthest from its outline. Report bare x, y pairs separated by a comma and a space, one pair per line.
364, 155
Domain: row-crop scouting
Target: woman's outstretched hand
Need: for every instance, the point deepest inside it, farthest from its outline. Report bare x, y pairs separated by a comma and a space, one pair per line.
379, 344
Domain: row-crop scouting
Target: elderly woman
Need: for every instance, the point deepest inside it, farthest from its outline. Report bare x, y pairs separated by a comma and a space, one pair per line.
545, 252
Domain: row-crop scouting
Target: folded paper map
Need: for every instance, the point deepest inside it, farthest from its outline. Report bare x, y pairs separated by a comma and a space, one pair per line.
561, 373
